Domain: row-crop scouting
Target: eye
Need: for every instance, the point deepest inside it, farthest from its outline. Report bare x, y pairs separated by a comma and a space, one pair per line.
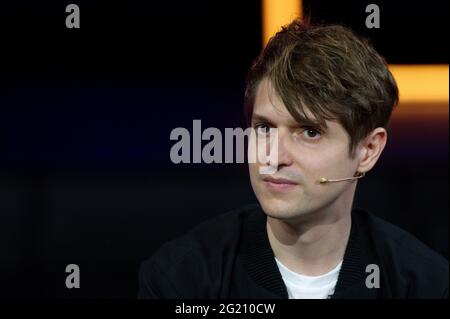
262, 128
311, 133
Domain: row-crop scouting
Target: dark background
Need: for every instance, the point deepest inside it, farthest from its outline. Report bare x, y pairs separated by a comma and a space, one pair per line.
85, 173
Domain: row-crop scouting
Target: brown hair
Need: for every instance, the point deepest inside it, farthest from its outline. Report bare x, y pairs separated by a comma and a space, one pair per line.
331, 72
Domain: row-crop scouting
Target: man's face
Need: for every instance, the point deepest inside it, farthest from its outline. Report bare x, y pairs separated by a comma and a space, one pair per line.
305, 155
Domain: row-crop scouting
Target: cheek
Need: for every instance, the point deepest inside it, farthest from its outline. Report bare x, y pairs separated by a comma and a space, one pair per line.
316, 165
311, 163
253, 171
255, 178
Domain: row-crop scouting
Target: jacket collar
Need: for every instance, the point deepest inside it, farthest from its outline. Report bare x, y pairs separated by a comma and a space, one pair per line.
259, 260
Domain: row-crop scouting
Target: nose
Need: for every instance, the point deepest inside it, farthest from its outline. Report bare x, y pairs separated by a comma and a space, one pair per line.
284, 148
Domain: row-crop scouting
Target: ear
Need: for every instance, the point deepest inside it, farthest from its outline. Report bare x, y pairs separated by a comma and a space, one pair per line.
370, 149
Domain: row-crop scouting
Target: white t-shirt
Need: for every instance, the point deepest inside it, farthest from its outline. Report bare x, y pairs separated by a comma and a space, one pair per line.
309, 287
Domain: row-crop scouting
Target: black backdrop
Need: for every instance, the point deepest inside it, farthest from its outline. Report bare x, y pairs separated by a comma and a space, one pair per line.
85, 174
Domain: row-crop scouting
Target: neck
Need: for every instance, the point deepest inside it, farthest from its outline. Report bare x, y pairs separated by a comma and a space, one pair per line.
313, 244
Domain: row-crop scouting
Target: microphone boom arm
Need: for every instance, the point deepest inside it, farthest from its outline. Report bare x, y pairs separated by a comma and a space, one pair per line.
324, 180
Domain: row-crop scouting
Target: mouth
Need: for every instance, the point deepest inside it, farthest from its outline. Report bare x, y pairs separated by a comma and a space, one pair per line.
279, 184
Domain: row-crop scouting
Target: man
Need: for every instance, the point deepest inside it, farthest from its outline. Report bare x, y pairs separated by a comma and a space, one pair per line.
330, 96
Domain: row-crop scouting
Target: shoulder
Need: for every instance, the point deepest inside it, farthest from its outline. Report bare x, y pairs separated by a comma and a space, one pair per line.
409, 261
199, 253
210, 235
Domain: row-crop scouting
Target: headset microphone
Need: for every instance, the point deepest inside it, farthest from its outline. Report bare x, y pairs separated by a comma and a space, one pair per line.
324, 180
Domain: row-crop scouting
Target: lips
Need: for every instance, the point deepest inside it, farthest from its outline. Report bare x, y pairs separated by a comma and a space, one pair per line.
280, 181
279, 184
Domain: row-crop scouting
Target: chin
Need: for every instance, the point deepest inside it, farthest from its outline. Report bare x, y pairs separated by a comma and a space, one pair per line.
279, 209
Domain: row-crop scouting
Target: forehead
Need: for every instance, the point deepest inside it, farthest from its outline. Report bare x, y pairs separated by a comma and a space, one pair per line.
269, 105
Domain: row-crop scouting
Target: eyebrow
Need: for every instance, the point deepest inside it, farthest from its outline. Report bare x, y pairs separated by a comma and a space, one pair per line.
262, 118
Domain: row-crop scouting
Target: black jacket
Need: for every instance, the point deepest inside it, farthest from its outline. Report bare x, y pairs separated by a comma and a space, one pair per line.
230, 256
